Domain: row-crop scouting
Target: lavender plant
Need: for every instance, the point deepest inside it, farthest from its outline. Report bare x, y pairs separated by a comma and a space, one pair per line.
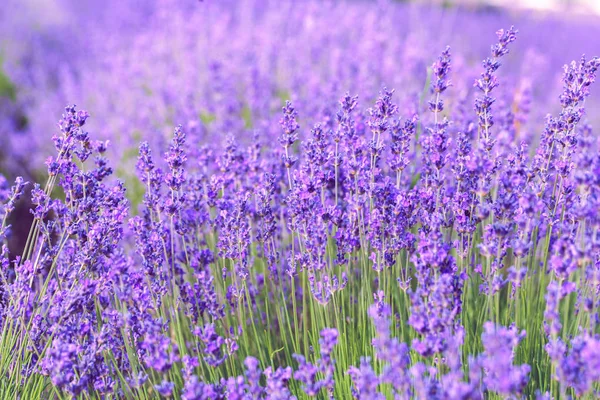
386, 247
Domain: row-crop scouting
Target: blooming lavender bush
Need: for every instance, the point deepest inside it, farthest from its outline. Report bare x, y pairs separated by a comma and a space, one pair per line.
407, 247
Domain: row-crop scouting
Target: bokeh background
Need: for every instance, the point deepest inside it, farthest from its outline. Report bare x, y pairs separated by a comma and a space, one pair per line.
216, 67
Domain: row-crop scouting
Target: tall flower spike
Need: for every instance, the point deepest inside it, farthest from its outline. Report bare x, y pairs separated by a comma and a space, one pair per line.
402, 134
175, 178
500, 374
8, 199
440, 81
488, 82
176, 159
383, 111
576, 80
436, 141
290, 127
307, 372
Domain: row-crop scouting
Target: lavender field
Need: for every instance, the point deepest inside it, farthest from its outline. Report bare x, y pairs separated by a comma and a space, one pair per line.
260, 199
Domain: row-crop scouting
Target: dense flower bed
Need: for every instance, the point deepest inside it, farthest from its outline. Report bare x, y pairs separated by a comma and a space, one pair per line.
307, 232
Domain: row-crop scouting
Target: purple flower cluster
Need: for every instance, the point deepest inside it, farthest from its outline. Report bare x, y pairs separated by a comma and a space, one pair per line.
307, 372
314, 247
497, 360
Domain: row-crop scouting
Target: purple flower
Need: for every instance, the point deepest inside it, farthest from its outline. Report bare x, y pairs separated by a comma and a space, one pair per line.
392, 352
213, 343
277, 381
576, 367
175, 178
434, 313
194, 389
307, 372
501, 375
290, 135
165, 388
253, 374
426, 386
159, 352
365, 381
439, 81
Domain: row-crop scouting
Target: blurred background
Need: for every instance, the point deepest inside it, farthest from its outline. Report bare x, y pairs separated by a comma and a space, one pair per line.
571, 6
221, 67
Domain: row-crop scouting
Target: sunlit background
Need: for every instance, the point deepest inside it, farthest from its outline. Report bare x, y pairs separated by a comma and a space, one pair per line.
572, 6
